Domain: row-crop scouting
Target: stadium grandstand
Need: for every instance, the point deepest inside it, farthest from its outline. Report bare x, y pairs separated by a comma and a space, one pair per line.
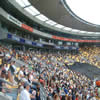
48, 50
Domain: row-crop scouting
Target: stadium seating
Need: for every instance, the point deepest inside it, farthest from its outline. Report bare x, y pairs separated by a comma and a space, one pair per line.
47, 72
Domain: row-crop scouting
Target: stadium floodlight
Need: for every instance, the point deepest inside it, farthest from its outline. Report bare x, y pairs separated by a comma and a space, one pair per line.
67, 29
97, 32
75, 30
59, 26
42, 17
23, 3
50, 22
32, 10
82, 31
90, 32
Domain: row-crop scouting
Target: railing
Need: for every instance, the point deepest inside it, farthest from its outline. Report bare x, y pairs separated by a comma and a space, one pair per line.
11, 95
5, 97
1, 79
43, 95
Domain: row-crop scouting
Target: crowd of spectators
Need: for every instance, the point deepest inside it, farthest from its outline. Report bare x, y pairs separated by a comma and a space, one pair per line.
50, 70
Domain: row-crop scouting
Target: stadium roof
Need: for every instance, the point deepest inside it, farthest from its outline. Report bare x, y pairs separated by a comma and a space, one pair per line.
58, 14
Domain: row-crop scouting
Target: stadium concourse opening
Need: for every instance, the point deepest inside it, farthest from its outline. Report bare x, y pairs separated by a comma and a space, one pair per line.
36, 64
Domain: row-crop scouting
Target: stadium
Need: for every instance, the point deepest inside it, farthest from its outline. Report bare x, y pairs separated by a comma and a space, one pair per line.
49, 50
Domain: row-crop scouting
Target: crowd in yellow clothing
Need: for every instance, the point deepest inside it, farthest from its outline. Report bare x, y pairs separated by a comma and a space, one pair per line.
91, 54
86, 55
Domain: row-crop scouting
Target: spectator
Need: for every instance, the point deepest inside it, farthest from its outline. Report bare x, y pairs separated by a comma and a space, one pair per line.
21, 73
25, 95
2, 84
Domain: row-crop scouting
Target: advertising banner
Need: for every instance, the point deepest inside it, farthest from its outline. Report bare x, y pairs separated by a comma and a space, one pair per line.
9, 36
40, 45
34, 43
15, 38
73, 40
22, 40
27, 27
14, 20
57, 47
28, 42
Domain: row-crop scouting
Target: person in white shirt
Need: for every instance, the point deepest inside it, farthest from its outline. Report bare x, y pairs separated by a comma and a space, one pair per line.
6, 67
25, 95
98, 92
21, 73
23, 80
94, 98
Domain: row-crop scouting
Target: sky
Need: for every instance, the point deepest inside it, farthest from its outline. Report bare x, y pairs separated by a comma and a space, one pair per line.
88, 10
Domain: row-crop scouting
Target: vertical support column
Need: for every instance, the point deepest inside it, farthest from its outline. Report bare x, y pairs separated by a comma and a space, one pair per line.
24, 49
